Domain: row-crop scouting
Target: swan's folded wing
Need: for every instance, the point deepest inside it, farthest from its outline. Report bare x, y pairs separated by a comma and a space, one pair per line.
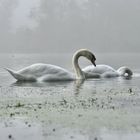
99, 69
46, 72
41, 69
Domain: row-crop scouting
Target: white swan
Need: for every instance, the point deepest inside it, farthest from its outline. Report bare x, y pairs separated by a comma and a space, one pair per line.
107, 71
47, 72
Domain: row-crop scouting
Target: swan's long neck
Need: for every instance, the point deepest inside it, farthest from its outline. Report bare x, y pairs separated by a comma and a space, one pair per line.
79, 73
125, 71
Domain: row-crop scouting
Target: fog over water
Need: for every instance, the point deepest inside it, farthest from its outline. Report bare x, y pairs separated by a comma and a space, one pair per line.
66, 25
49, 32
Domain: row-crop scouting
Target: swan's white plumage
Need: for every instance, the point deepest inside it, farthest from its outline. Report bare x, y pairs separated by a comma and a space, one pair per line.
42, 72
48, 72
107, 71
100, 69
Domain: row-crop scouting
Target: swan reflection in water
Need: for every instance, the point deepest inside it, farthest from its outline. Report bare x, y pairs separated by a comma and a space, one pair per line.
77, 87
74, 86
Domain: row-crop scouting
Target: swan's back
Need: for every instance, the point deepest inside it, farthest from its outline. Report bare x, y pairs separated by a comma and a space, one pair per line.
99, 69
107, 71
42, 72
40, 69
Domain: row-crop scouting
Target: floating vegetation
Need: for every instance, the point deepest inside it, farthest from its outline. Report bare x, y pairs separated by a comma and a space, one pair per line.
19, 105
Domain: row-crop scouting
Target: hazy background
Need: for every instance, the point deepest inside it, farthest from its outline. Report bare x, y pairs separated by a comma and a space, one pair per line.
66, 25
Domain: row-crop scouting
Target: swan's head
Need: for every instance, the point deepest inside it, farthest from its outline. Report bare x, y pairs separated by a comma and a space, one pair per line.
90, 56
93, 59
86, 53
125, 71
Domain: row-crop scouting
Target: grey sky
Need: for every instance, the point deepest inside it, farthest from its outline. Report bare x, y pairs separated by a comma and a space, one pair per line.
66, 25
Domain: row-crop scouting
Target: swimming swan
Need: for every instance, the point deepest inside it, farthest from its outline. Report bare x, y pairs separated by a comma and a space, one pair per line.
48, 72
107, 71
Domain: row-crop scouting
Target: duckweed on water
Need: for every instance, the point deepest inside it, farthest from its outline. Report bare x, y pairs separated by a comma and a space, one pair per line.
19, 105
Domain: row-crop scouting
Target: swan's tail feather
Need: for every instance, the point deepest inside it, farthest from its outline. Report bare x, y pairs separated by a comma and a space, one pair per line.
15, 74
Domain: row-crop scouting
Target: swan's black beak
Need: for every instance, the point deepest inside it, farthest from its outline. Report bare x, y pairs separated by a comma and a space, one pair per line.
93, 62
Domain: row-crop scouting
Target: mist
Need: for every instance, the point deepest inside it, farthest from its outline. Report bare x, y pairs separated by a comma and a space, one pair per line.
45, 26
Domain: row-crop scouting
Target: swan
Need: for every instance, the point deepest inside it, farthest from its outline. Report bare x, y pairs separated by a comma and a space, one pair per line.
48, 72
107, 71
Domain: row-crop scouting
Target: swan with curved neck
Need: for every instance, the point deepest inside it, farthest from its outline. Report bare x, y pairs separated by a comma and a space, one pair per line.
79, 73
125, 71
48, 72
108, 72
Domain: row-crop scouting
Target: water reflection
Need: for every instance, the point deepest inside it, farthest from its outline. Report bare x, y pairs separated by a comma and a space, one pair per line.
77, 85
41, 84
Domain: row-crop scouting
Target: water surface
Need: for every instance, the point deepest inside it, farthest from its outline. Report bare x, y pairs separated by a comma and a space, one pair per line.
82, 110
